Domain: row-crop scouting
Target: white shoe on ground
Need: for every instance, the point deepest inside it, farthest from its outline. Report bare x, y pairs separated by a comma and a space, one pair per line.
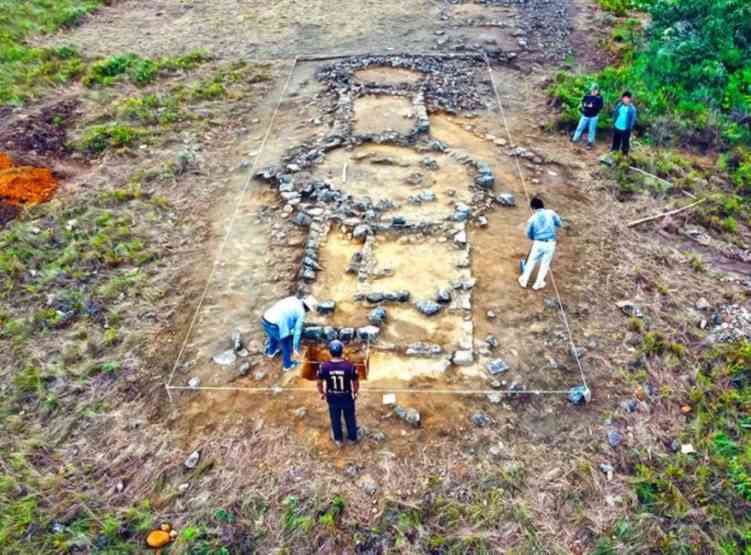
522, 282
538, 286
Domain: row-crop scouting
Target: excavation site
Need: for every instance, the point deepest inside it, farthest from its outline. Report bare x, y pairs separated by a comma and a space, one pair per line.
403, 208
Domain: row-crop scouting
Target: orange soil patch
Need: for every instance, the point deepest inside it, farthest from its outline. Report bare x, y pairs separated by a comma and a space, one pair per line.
5, 161
24, 185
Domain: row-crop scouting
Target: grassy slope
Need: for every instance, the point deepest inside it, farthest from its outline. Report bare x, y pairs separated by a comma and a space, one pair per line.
697, 502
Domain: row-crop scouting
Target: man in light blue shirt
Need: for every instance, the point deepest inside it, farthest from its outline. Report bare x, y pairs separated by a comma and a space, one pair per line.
624, 119
283, 324
542, 229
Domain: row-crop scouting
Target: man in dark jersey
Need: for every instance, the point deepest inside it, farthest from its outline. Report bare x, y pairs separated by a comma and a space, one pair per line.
342, 386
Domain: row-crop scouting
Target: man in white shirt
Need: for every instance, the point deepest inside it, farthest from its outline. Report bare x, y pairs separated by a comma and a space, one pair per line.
542, 229
283, 324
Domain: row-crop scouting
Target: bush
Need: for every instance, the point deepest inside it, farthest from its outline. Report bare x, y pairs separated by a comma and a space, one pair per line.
140, 71
99, 138
692, 65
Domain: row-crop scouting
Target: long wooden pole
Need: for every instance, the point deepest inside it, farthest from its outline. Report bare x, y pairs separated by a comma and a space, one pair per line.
670, 213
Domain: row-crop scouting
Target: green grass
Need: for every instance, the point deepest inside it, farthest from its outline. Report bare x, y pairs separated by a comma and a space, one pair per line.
690, 72
698, 503
130, 121
137, 70
73, 264
26, 70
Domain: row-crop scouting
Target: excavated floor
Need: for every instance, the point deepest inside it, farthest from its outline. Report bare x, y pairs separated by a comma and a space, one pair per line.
388, 75
378, 113
398, 174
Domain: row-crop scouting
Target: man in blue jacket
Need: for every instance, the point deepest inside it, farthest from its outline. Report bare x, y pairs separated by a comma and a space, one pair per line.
624, 119
542, 229
283, 324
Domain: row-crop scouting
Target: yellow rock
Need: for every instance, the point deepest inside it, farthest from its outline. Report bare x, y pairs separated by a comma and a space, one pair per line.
158, 538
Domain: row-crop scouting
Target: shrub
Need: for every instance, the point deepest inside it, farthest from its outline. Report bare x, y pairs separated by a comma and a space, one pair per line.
98, 138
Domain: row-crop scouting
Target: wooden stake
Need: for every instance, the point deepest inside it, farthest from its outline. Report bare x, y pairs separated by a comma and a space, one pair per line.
670, 213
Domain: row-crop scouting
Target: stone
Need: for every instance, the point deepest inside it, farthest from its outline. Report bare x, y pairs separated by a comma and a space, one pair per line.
482, 221
375, 297
429, 163
225, 358
460, 238
492, 342
259, 375
192, 461
237, 341
403, 296
494, 398
462, 212
301, 219
443, 296
378, 437
491, 315
377, 316
480, 419
244, 369
368, 334
410, 416
629, 309
496, 366
367, 484
629, 405
194, 382
330, 333
346, 334
361, 232
614, 438
301, 412
485, 180
428, 308
313, 333
579, 395
426, 196
326, 307
506, 199
577, 352
438, 146
463, 358
703, 304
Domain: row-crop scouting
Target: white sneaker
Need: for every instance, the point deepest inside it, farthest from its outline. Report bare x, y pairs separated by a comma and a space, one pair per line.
538, 286
522, 282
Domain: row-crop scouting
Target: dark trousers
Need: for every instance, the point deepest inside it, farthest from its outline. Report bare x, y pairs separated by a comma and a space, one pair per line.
621, 140
346, 407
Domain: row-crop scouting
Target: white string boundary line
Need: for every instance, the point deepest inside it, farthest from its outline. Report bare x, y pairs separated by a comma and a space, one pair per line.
280, 389
169, 387
230, 225
526, 193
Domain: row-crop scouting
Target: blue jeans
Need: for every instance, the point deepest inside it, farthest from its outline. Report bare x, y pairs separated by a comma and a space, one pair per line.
346, 407
586, 123
274, 343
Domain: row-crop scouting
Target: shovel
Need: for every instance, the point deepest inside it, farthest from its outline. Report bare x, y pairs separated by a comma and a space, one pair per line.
523, 262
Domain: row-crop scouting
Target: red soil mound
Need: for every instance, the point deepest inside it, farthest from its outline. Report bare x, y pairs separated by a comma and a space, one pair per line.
5, 161
26, 185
